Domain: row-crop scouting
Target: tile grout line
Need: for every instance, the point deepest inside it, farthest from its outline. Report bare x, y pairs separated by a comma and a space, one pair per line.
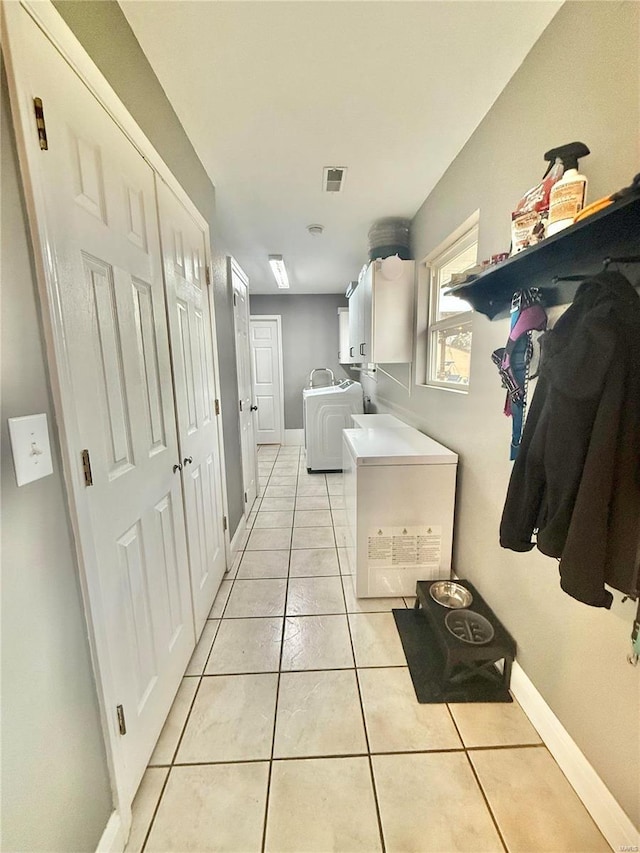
275, 713
155, 810
314, 756
364, 725
475, 776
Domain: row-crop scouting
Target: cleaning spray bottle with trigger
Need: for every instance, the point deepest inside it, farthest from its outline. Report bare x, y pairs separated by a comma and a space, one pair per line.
569, 194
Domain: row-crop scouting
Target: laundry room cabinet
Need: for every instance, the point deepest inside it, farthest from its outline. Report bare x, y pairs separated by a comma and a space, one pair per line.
344, 352
381, 313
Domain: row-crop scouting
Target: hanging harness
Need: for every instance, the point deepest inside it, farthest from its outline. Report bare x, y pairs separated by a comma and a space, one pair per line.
513, 360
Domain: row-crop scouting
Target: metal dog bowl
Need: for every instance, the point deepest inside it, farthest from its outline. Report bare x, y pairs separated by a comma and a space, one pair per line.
450, 594
469, 627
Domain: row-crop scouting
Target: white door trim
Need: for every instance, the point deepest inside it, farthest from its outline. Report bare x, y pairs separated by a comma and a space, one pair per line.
278, 319
15, 16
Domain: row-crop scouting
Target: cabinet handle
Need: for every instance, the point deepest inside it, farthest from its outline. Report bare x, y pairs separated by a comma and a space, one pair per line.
177, 467
362, 346
350, 352
187, 460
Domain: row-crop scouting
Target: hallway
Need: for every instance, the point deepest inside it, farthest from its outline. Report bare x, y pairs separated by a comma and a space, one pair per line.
296, 726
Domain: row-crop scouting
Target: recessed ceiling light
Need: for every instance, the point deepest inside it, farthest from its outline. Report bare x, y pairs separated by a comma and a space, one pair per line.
315, 230
276, 262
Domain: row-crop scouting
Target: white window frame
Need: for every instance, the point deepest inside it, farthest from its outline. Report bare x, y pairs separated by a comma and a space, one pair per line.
464, 236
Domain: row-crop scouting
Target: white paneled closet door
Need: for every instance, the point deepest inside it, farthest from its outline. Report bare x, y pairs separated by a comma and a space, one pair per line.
245, 388
103, 248
189, 311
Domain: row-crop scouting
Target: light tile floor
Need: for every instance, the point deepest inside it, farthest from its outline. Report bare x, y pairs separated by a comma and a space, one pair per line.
296, 726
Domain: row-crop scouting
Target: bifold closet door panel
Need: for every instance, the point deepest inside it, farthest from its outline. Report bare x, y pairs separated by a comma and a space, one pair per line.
102, 247
184, 259
245, 388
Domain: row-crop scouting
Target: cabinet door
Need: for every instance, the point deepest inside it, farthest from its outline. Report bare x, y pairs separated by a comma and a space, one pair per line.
367, 288
390, 322
354, 332
343, 336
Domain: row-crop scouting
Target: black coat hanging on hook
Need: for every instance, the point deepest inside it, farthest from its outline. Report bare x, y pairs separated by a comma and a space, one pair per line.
576, 481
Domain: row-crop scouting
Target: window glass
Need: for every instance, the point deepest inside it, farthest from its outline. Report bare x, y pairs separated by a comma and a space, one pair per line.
450, 336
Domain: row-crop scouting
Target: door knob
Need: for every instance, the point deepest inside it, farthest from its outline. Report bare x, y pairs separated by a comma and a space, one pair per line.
187, 460
177, 467
254, 408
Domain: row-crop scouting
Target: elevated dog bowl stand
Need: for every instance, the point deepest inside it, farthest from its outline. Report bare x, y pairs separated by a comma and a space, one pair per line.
466, 660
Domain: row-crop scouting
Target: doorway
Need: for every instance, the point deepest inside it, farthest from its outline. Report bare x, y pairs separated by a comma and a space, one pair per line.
268, 378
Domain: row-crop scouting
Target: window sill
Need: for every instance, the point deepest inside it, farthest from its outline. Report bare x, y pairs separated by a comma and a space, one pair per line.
442, 387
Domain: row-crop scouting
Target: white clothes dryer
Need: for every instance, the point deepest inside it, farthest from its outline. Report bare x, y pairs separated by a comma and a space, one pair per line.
326, 412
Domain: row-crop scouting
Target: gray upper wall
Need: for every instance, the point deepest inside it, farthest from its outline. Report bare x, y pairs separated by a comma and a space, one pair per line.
55, 784
309, 339
580, 81
104, 32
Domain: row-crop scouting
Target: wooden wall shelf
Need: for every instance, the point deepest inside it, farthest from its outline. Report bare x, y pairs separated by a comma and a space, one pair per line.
578, 250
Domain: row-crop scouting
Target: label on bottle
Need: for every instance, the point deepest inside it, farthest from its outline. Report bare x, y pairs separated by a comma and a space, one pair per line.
567, 200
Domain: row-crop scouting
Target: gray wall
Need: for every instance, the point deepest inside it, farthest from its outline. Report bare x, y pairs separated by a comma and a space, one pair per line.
55, 786
105, 34
580, 81
309, 339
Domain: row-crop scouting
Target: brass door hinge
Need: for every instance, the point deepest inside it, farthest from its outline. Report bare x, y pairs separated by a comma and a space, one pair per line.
245, 497
240, 401
235, 302
217, 407
207, 274
40, 123
122, 723
86, 468
224, 522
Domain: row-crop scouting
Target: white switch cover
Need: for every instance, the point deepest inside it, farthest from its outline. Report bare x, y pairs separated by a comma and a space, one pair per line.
30, 447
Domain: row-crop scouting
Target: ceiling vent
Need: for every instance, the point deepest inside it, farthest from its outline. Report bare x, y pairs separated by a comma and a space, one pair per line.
333, 178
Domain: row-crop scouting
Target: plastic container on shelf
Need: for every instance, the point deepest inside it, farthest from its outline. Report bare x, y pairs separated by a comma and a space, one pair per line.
390, 236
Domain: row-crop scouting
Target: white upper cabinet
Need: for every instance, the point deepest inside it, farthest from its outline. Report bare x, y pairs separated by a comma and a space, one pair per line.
381, 313
344, 356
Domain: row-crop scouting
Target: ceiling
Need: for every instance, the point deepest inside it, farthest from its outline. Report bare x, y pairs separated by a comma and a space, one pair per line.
271, 92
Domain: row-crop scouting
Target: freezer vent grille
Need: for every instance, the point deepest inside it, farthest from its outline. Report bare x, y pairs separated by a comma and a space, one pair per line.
333, 178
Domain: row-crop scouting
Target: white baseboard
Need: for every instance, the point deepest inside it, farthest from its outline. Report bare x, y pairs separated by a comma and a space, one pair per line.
237, 536
606, 812
294, 438
113, 838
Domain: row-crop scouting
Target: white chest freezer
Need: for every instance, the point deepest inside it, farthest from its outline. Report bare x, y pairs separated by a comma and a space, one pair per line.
399, 489
326, 412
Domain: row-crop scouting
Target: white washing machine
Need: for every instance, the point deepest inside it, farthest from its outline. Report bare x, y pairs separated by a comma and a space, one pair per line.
327, 411
399, 489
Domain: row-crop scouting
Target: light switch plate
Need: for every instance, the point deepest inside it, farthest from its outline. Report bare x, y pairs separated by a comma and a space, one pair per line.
30, 447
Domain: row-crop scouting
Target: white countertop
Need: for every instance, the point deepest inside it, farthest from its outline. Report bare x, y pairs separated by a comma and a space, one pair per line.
384, 446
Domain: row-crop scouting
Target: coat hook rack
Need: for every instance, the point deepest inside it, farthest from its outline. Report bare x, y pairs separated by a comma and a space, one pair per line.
627, 259
606, 262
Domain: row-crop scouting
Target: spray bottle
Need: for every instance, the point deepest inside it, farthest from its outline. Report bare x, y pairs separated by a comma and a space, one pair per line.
569, 194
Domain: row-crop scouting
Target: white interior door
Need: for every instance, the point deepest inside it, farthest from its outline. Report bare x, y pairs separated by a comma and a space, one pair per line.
96, 196
184, 253
245, 390
266, 361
